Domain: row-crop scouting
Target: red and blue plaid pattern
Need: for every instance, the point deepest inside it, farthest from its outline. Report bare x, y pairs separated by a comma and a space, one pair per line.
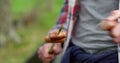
64, 12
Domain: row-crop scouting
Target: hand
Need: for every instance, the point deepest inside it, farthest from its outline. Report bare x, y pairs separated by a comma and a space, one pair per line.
115, 33
111, 23
55, 37
45, 56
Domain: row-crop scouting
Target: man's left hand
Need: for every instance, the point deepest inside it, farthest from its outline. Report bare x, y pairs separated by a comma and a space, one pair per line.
115, 31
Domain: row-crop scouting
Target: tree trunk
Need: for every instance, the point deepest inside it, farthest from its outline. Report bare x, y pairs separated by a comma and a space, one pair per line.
6, 30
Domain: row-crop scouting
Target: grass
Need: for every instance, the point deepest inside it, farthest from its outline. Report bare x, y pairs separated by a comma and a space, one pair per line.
32, 36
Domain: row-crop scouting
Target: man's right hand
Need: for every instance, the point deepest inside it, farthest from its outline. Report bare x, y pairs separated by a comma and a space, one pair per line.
45, 56
52, 37
56, 37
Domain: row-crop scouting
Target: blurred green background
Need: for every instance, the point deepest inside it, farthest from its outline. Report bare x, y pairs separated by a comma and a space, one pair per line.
37, 17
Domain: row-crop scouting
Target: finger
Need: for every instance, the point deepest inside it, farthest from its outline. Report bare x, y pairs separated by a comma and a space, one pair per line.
43, 53
40, 54
57, 48
116, 31
114, 15
48, 58
46, 54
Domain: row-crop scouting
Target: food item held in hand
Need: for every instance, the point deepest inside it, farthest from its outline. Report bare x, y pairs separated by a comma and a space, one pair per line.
108, 25
47, 39
55, 38
61, 35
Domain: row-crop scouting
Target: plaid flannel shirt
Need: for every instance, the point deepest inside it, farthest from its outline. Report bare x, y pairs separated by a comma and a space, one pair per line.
63, 18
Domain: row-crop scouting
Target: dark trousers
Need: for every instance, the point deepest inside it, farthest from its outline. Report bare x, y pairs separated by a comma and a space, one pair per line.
75, 53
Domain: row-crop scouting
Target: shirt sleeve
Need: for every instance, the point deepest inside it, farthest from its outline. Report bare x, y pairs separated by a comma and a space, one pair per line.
62, 17
64, 13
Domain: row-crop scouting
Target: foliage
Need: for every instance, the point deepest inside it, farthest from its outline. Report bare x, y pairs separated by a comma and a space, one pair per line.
32, 35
